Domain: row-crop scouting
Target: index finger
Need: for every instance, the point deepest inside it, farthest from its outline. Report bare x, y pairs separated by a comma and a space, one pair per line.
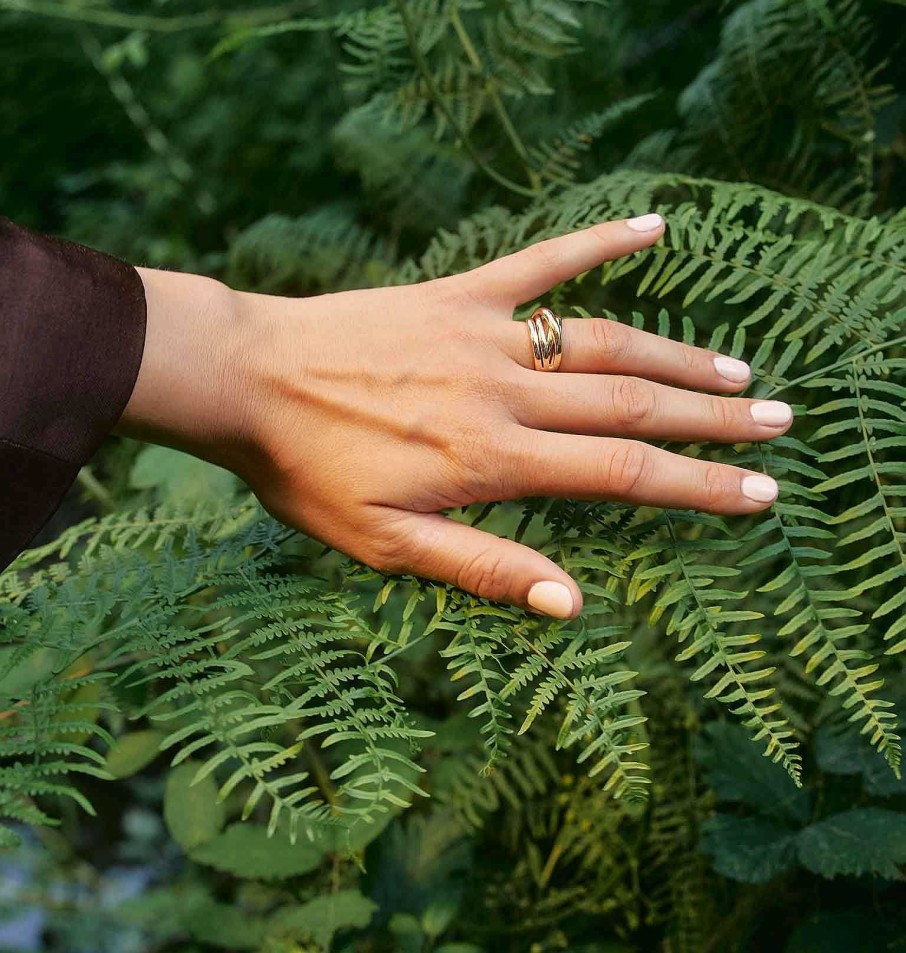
526, 275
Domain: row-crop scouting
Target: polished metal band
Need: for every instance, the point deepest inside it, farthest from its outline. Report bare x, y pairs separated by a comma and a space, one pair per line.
546, 336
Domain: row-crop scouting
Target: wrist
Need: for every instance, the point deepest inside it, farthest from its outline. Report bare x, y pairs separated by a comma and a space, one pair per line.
194, 389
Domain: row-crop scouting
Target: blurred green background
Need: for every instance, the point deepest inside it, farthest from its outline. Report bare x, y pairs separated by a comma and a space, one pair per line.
201, 137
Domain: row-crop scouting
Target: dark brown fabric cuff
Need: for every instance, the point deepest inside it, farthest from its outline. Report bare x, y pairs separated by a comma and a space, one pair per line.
72, 332
33, 485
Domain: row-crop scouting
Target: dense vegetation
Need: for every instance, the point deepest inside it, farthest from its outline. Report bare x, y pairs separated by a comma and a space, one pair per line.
216, 735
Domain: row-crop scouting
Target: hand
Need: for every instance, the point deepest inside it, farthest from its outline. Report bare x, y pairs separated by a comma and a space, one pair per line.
358, 417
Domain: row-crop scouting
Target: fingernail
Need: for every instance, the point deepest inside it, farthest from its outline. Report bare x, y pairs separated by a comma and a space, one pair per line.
732, 370
760, 488
774, 413
551, 598
645, 223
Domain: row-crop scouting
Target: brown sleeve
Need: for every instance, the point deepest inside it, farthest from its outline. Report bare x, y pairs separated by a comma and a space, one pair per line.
72, 332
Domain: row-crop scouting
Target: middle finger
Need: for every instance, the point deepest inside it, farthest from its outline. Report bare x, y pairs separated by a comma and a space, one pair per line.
614, 405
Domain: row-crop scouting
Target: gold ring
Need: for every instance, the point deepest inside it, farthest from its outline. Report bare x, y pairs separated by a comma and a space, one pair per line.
546, 337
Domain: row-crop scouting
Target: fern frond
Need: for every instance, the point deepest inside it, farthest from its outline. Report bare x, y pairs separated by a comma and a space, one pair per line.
811, 58
326, 249
698, 616
874, 415
558, 670
475, 794
452, 61
129, 530
403, 174
38, 765
476, 655
558, 160
319, 682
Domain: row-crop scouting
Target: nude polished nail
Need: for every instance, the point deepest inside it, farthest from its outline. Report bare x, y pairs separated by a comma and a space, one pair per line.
645, 223
732, 370
551, 598
772, 413
760, 488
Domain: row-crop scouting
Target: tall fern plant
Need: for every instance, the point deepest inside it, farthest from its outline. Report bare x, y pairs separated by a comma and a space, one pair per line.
274, 669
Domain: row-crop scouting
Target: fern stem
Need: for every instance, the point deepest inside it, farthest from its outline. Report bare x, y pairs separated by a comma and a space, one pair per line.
151, 24
322, 777
866, 439
422, 66
836, 365
155, 138
493, 92
547, 872
95, 489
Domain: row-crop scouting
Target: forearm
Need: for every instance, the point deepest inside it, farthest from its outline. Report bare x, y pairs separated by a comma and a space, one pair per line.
193, 390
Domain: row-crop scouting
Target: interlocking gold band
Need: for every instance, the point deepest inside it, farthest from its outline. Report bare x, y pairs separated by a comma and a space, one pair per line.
546, 336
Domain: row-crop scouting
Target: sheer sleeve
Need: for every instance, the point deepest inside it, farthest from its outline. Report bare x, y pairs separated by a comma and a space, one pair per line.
72, 331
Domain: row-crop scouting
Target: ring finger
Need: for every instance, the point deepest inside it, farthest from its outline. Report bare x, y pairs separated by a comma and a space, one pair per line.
600, 346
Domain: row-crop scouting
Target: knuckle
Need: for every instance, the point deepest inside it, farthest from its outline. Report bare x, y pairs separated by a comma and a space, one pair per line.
516, 388
386, 552
602, 233
467, 356
515, 458
626, 468
634, 400
461, 338
483, 573
511, 453
725, 413
547, 254
689, 357
609, 338
488, 388
472, 446
472, 462
491, 462
455, 293
716, 487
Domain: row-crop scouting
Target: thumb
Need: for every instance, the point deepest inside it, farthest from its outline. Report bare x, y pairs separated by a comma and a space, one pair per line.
486, 565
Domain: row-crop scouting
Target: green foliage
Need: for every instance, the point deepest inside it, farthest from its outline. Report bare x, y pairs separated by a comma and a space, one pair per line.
191, 811
180, 478
247, 850
815, 60
322, 917
863, 840
334, 760
755, 849
132, 752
